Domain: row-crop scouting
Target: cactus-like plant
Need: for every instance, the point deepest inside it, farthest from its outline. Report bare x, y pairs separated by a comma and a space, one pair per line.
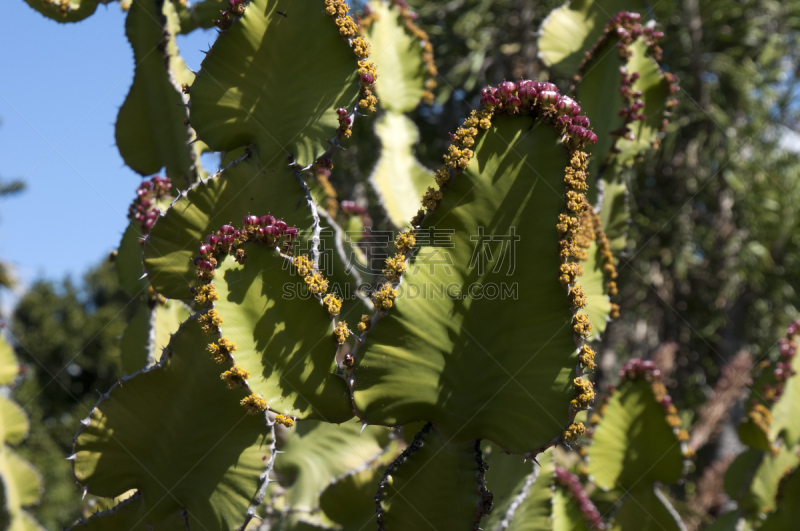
270, 382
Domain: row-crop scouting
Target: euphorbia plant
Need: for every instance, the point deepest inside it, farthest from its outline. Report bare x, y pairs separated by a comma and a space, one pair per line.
450, 394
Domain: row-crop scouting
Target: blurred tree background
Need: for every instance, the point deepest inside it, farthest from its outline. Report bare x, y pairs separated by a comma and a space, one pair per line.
67, 336
712, 263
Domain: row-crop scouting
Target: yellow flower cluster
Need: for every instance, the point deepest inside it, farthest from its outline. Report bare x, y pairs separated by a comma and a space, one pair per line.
406, 241
339, 9
584, 391
581, 325
303, 264
366, 99
365, 323
283, 420
395, 267
341, 333
235, 377
569, 272
205, 293
332, 303
210, 321
574, 431
586, 358
662, 397
222, 349
577, 297
431, 199
316, 282
349, 29
761, 416
384, 297
361, 47
604, 246
254, 404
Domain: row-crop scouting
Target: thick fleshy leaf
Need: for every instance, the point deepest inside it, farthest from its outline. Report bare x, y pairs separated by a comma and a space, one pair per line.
15, 424
528, 505
600, 99
754, 476
240, 190
350, 502
399, 178
787, 513
135, 344
148, 333
574, 27
316, 453
633, 444
72, 11
150, 128
204, 466
9, 366
598, 305
255, 88
129, 261
436, 486
398, 57
646, 509
284, 337
437, 357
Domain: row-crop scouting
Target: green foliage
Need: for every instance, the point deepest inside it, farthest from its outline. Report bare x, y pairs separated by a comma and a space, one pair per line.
255, 88
66, 10
150, 129
571, 29
438, 483
206, 206
398, 56
210, 458
284, 342
277, 93
438, 358
634, 444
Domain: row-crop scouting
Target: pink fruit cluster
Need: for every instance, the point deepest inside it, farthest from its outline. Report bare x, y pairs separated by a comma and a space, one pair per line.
575, 488
540, 97
787, 346
265, 229
143, 209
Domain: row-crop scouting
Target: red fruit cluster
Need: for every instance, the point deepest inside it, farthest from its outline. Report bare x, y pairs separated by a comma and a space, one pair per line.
143, 209
265, 229
575, 488
540, 98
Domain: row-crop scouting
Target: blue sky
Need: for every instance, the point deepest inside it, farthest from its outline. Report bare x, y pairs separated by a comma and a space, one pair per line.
60, 89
